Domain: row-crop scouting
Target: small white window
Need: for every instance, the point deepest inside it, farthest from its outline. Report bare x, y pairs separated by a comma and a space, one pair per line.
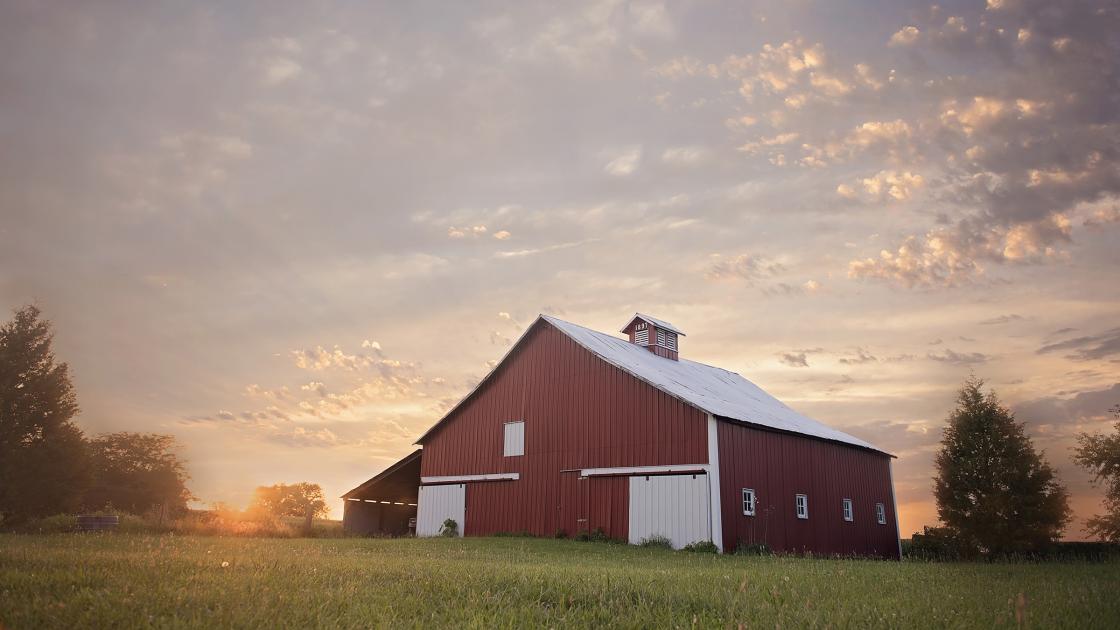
641, 337
671, 341
880, 514
514, 439
802, 506
848, 516
748, 502
660, 337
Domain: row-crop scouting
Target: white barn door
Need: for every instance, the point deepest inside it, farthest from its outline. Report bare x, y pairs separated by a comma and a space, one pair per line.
439, 503
674, 506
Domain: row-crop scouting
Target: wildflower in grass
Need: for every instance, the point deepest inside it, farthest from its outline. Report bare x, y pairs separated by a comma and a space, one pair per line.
225, 564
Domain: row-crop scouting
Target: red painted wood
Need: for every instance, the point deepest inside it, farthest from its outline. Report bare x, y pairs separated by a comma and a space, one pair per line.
579, 412
779, 466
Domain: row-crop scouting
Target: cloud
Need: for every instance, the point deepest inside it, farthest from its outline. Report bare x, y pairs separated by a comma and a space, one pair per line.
1066, 414
1089, 347
742, 267
794, 359
891, 185
861, 356
502, 235
1001, 319
281, 69
464, 232
683, 156
952, 256
624, 163
959, 358
905, 36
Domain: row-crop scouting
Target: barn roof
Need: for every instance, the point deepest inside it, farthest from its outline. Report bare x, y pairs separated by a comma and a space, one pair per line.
711, 389
715, 390
660, 323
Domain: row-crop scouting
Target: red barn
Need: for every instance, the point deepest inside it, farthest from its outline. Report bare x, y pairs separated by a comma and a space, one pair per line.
577, 431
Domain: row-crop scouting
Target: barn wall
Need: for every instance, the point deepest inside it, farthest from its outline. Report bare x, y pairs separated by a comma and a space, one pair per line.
778, 466
579, 412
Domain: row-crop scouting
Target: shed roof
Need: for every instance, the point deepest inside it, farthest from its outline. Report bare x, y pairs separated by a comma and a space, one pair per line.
398, 481
660, 323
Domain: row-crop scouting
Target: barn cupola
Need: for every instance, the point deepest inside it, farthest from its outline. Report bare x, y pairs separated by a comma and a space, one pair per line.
655, 335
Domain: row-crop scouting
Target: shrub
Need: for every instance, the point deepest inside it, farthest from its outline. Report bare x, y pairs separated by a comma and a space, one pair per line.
560, 533
449, 529
701, 546
56, 524
583, 535
599, 535
754, 549
657, 541
940, 543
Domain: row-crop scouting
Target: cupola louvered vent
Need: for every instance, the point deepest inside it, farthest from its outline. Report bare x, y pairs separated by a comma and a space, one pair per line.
657, 336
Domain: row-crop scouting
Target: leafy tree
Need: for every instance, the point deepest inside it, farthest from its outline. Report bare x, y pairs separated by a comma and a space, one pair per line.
993, 490
1101, 455
136, 472
297, 499
42, 463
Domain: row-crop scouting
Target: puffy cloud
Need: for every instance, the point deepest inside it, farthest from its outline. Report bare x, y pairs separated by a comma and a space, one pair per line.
463, 232
891, 185
281, 69
905, 36
502, 235
624, 163
950, 256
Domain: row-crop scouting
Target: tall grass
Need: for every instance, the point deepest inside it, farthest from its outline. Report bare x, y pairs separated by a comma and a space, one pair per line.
125, 580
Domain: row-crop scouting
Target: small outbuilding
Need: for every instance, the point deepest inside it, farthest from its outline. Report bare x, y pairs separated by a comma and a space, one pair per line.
576, 431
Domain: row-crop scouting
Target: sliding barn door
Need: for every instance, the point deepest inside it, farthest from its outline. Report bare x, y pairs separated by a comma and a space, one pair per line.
439, 503
674, 506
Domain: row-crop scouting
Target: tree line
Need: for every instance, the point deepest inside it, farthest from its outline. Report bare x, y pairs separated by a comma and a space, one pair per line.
48, 466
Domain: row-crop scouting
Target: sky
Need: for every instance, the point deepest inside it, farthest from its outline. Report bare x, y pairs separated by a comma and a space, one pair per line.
293, 234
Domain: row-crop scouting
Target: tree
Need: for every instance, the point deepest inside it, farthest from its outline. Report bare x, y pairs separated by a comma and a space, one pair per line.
136, 472
297, 499
1101, 455
993, 490
42, 463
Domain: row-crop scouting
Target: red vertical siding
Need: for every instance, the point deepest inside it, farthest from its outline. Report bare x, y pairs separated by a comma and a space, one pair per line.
579, 412
779, 466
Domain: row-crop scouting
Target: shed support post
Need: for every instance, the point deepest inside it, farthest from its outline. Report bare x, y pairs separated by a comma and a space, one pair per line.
715, 511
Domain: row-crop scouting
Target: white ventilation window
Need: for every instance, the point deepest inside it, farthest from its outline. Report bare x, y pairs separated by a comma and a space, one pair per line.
641, 337
660, 337
671, 341
802, 506
514, 439
880, 514
748, 502
848, 515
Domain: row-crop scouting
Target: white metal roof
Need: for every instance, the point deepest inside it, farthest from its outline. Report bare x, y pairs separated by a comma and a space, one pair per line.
660, 323
715, 390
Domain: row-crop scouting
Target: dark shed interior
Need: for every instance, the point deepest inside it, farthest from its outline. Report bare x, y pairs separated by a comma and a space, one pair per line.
386, 504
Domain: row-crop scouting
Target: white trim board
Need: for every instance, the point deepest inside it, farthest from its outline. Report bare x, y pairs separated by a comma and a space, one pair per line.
716, 509
468, 478
644, 470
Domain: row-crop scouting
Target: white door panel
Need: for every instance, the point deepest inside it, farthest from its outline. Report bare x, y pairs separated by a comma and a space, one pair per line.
439, 503
674, 506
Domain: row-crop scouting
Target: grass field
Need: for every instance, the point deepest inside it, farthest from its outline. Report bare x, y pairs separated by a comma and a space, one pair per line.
124, 580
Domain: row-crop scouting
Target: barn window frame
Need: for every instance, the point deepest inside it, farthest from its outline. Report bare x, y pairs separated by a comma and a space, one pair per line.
848, 510
513, 438
750, 502
880, 514
801, 503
